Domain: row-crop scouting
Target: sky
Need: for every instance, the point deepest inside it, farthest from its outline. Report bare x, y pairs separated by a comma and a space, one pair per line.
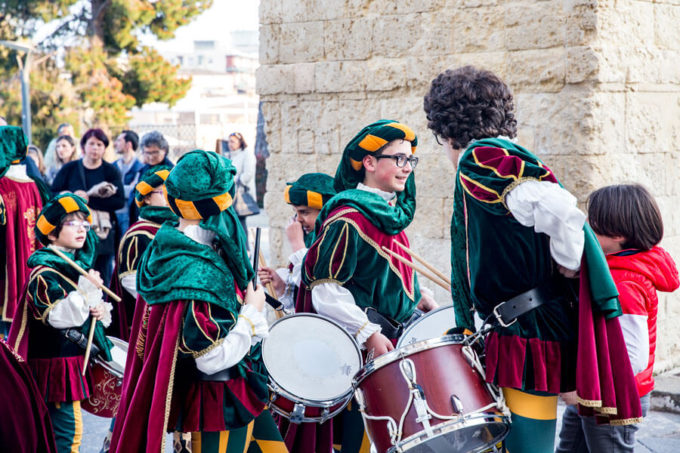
216, 23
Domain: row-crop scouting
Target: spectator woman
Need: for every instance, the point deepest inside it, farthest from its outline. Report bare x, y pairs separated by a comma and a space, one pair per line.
244, 160
66, 151
100, 184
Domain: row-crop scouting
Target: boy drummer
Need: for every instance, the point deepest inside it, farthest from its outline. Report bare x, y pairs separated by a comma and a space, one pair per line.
347, 276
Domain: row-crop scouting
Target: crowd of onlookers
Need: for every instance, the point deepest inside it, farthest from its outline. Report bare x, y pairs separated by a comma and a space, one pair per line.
78, 166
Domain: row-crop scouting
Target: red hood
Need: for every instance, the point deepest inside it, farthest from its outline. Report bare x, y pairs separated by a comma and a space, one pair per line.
655, 264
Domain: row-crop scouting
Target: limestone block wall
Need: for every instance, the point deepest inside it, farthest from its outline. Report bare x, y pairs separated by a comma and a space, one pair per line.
596, 84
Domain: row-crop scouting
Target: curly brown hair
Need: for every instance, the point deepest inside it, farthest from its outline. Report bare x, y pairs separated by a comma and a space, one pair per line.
467, 103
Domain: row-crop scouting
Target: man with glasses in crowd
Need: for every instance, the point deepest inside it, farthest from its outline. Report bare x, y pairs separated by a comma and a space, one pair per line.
155, 151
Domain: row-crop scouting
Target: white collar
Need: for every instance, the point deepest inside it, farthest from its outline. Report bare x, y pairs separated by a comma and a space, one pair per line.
387, 196
199, 234
17, 171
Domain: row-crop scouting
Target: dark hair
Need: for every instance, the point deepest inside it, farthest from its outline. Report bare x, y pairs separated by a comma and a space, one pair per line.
467, 103
240, 138
131, 137
72, 142
627, 210
96, 133
62, 126
155, 138
73, 215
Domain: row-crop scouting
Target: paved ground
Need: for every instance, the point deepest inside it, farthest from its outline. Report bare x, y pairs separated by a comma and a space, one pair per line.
659, 433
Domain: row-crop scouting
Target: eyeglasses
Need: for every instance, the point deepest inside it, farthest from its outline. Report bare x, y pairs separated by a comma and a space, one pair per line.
157, 191
151, 153
75, 224
401, 160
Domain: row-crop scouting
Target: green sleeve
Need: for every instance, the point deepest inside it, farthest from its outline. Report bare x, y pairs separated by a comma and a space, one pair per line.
45, 290
333, 256
130, 252
205, 327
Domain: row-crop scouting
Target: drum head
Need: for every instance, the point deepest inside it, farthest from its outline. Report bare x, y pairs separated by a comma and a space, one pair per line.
435, 324
311, 357
118, 356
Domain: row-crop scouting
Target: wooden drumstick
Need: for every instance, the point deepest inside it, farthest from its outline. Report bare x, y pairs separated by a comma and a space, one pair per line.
88, 348
84, 273
270, 285
424, 272
423, 262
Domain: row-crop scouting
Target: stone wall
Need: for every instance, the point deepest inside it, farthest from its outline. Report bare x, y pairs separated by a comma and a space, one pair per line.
596, 87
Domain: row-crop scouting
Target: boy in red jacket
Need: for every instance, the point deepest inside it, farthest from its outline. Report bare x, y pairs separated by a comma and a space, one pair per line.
628, 225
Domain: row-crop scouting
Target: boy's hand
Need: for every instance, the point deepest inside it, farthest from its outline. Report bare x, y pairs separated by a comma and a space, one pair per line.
295, 234
98, 312
569, 398
255, 297
567, 272
95, 277
268, 275
379, 344
427, 302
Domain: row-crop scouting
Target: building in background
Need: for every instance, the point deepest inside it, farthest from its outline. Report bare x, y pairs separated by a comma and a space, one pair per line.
221, 99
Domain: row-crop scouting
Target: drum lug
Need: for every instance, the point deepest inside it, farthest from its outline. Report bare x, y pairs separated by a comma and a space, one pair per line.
457, 404
298, 413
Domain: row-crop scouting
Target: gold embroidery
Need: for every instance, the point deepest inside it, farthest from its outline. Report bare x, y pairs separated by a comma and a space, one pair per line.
29, 216
513, 185
481, 186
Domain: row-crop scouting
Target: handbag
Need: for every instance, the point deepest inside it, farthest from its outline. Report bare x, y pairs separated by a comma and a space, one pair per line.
244, 203
101, 220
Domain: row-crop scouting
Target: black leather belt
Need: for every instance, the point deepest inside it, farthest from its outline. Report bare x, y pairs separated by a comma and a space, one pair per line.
224, 375
507, 312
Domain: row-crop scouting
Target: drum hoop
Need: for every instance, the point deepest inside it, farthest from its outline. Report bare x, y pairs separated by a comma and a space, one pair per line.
349, 391
410, 328
475, 418
403, 352
278, 390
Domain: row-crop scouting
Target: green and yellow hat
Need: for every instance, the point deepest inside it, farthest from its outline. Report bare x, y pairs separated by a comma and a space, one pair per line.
201, 185
311, 189
55, 210
369, 140
153, 178
13, 147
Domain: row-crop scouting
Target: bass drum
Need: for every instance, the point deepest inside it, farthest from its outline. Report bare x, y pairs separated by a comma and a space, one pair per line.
107, 382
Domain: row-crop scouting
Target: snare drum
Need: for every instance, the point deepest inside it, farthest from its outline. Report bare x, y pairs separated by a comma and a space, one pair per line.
107, 379
311, 361
430, 396
434, 324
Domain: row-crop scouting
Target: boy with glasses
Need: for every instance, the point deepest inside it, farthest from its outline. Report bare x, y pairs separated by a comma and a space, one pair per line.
55, 309
346, 275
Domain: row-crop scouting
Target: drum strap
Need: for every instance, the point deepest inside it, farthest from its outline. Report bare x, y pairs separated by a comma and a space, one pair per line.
389, 327
507, 312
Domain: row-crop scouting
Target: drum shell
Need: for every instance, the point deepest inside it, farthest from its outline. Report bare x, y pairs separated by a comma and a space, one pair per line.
442, 371
107, 382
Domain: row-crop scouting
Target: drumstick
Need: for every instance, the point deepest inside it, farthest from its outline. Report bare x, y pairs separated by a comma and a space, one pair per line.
84, 273
423, 262
90, 337
419, 269
270, 286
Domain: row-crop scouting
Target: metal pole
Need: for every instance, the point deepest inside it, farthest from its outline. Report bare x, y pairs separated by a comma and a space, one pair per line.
26, 97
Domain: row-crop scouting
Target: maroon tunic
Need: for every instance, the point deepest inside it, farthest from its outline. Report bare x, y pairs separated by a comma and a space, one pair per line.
20, 205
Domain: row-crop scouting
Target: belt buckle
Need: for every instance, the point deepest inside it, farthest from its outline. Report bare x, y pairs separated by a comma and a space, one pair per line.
499, 317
